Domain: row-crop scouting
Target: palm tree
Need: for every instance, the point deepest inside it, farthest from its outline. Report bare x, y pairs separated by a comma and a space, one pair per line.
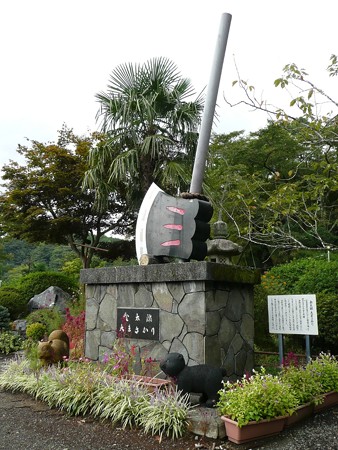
151, 127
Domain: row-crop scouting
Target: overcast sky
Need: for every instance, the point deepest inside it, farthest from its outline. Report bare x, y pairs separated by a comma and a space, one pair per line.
56, 55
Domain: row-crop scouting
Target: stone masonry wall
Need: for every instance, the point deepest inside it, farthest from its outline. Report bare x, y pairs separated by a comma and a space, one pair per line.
206, 312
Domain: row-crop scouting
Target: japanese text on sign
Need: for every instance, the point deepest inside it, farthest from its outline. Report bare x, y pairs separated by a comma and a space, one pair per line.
293, 314
138, 323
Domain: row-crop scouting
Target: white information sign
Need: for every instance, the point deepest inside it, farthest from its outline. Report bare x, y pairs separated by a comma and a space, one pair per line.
293, 314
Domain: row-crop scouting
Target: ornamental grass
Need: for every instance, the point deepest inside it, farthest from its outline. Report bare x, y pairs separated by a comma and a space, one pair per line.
165, 414
81, 388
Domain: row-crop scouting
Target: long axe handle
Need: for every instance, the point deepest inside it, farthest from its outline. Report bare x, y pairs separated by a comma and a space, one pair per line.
210, 104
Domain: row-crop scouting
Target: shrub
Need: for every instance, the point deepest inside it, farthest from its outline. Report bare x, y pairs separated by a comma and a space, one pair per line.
4, 318
14, 300
36, 331
320, 276
10, 342
16, 295
123, 262
78, 303
50, 318
327, 312
302, 276
263, 339
30, 348
75, 329
37, 282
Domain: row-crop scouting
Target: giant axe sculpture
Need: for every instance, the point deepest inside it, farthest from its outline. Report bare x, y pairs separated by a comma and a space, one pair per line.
175, 226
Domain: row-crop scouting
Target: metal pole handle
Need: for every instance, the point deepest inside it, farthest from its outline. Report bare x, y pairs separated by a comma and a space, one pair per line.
210, 104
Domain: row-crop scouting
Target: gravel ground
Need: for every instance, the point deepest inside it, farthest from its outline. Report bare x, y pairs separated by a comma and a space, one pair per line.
29, 424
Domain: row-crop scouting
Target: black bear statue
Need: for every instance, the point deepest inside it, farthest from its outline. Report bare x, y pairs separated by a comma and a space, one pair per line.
201, 379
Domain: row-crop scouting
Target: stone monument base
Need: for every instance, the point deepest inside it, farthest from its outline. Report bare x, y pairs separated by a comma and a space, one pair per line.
203, 310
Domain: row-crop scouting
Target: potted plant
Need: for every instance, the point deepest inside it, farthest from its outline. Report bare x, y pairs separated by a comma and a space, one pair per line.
255, 406
324, 368
305, 387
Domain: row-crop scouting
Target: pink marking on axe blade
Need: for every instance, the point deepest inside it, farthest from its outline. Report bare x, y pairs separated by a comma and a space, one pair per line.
171, 243
176, 210
173, 226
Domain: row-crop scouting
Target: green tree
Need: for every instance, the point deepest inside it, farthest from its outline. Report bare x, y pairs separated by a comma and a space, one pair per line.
281, 183
16, 252
3, 260
43, 200
152, 130
4, 318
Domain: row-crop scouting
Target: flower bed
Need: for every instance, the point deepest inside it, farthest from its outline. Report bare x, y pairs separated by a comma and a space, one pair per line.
84, 388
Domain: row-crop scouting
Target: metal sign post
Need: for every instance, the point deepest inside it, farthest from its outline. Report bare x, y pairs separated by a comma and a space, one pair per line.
280, 349
307, 348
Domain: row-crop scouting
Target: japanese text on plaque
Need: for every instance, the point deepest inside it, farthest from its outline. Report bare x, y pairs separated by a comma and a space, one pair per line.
293, 314
138, 323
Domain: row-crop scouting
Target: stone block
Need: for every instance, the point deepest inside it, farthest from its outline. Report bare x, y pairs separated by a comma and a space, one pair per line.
143, 297
171, 325
206, 309
247, 329
178, 347
235, 305
92, 344
213, 353
200, 270
163, 296
206, 422
193, 286
240, 360
176, 290
192, 311
213, 323
107, 314
194, 343
126, 294
226, 333
237, 343
92, 310
108, 338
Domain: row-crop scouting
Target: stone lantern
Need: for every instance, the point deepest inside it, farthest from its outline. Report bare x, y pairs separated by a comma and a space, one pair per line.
220, 249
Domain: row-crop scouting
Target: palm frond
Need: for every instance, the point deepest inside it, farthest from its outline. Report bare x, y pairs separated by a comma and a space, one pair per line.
124, 164
174, 174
